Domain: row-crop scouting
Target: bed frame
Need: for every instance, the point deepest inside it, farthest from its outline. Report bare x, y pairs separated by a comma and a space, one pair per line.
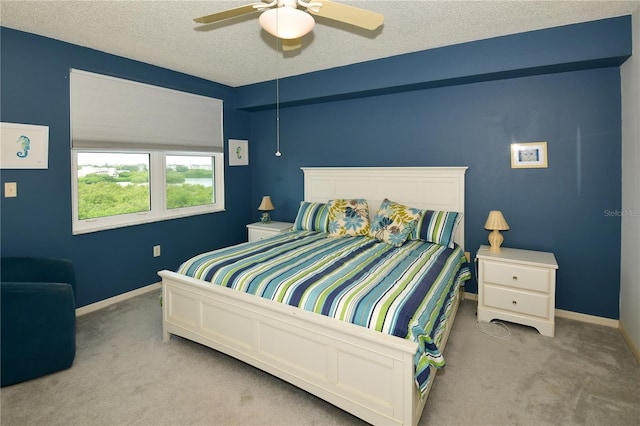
364, 372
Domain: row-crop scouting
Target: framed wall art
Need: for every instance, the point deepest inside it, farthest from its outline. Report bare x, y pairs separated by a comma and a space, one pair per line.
24, 146
528, 155
238, 152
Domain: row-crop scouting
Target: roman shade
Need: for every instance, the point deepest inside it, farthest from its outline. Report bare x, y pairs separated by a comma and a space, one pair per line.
112, 113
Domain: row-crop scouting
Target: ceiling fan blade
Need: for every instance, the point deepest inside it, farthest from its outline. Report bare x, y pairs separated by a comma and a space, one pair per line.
291, 43
226, 14
348, 14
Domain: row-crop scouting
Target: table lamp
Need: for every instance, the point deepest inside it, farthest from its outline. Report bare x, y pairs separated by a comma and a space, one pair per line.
496, 223
265, 207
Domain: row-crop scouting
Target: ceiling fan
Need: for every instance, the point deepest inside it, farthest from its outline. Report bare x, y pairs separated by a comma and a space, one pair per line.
283, 18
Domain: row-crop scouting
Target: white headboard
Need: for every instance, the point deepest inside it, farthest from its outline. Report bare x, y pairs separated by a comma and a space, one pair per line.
432, 188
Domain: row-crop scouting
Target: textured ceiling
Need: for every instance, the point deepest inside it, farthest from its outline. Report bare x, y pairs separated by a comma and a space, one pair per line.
239, 52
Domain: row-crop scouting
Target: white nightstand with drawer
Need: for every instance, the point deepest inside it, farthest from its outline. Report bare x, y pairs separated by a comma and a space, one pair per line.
517, 286
259, 231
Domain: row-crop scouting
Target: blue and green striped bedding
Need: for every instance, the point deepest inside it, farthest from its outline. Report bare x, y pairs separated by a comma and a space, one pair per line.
403, 291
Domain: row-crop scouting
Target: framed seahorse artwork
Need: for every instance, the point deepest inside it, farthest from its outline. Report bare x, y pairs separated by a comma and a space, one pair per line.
238, 152
24, 146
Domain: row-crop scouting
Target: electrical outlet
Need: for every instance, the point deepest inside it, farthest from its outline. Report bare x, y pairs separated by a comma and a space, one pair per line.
156, 251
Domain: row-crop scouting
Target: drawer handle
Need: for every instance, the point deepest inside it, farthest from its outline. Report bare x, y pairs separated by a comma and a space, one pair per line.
515, 277
514, 302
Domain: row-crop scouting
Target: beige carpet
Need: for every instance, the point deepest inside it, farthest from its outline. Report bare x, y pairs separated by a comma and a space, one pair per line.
125, 375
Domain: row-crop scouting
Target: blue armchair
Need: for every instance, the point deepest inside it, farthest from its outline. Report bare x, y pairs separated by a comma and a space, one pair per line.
38, 328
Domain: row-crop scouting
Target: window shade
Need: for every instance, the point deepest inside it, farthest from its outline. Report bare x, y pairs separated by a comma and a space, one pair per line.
113, 113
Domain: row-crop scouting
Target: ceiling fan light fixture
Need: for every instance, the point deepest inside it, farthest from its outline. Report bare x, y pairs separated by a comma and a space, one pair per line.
286, 22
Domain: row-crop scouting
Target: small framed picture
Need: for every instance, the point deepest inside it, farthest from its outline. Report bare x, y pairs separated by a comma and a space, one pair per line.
528, 155
24, 146
238, 152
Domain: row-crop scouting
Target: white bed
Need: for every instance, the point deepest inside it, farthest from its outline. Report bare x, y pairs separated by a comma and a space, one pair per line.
364, 372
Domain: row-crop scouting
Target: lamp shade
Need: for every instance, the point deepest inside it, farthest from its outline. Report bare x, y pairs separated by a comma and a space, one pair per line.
496, 221
286, 22
266, 204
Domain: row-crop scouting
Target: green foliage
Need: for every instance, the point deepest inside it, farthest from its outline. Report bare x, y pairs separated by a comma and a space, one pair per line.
198, 174
135, 176
105, 198
174, 177
188, 195
103, 195
93, 179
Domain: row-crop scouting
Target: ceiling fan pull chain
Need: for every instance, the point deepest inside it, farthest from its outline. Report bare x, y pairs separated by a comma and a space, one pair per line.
278, 154
278, 44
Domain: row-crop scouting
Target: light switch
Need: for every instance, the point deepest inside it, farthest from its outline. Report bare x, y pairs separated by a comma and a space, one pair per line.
10, 189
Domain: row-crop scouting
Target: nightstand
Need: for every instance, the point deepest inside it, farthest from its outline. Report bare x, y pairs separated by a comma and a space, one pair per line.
260, 231
517, 286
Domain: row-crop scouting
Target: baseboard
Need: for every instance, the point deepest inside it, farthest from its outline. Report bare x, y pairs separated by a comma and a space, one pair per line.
592, 319
470, 296
632, 346
119, 298
569, 315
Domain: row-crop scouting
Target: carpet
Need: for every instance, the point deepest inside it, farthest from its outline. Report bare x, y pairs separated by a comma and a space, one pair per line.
124, 374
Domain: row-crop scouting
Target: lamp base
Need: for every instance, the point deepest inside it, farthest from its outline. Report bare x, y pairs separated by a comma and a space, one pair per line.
265, 218
495, 240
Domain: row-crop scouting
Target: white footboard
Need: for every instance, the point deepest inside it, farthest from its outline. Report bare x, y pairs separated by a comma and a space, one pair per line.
361, 371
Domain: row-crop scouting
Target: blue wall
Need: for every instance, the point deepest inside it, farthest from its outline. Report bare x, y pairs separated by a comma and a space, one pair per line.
463, 106
460, 105
35, 90
559, 209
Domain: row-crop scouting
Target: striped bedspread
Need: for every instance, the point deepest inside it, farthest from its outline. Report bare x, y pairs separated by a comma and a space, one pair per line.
403, 291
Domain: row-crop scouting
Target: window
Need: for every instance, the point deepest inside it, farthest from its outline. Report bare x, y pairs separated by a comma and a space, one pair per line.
112, 184
142, 153
115, 189
189, 181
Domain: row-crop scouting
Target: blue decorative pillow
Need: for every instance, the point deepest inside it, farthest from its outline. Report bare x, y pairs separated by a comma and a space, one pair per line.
348, 218
312, 217
394, 222
437, 227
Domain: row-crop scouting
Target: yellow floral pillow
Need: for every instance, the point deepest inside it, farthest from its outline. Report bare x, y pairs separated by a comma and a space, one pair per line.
348, 218
394, 222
